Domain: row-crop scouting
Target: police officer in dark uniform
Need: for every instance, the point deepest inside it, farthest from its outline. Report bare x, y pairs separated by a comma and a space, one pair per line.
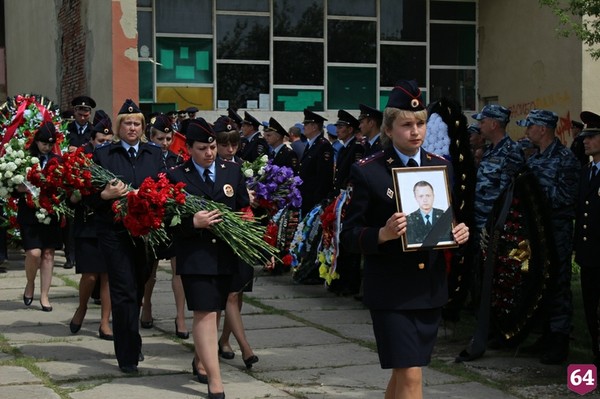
587, 233
281, 154
206, 263
133, 160
405, 291
253, 145
78, 131
316, 165
191, 112
235, 118
161, 134
351, 151
370, 126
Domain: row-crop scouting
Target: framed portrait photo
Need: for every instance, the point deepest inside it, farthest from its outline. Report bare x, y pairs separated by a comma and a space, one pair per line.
423, 194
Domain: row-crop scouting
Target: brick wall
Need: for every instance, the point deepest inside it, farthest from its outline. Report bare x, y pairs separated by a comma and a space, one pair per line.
72, 37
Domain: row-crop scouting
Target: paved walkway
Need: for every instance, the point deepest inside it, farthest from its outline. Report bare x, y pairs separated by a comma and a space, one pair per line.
311, 344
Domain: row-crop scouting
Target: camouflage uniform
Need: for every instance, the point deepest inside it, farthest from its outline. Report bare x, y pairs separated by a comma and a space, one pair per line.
497, 168
557, 171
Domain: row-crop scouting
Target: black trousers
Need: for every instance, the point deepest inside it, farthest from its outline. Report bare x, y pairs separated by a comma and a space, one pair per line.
590, 281
128, 271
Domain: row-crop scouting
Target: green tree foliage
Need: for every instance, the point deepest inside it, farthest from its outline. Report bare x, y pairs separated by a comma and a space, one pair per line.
571, 21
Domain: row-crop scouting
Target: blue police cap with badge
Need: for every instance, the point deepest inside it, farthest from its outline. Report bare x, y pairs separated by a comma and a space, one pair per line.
250, 120
539, 117
46, 133
199, 130
592, 124
163, 124
347, 119
494, 111
275, 126
406, 95
129, 107
312, 117
103, 126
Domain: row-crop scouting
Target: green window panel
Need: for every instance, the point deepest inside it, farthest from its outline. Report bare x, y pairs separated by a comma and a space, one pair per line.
184, 16
358, 8
352, 41
243, 5
146, 81
297, 99
404, 20
242, 37
240, 83
298, 18
452, 44
184, 60
348, 87
144, 3
453, 10
402, 62
458, 84
297, 63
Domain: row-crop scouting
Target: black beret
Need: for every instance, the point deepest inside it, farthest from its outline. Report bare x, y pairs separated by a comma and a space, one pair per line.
199, 130
234, 116
129, 107
163, 123
223, 124
369, 112
46, 133
345, 118
103, 126
250, 120
275, 126
310, 117
406, 95
83, 101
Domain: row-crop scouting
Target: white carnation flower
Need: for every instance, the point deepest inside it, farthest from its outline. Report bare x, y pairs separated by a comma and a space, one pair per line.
20, 154
265, 158
11, 167
8, 174
18, 161
2, 166
35, 160
248, 173
3, 192
17, 179
261, 171
8, 149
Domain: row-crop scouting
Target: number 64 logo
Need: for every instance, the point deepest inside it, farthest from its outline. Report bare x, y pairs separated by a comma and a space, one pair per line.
581, 378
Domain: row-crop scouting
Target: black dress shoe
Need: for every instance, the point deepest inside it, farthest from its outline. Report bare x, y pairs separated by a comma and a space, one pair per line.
225, 355
27, 300
68, 265
46, 308
220, 395
202, 378
129, 369
181, 334
147, 324
250, 361
141, 357
106, 337
74, 327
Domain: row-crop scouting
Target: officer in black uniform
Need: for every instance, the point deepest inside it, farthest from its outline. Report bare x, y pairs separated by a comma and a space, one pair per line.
133, 160
78, 131
161, 134
316, 165
370, 126
253, 145
587, 233
281, 154
191, 112
352, 150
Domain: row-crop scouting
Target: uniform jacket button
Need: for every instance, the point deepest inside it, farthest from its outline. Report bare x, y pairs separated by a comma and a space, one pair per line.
214, 240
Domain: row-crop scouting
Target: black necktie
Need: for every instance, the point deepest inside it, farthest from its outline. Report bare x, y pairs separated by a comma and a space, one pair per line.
81, 129
412, 163
594, 172
428, 222
131, 152
272, 154
207, 178
44, 161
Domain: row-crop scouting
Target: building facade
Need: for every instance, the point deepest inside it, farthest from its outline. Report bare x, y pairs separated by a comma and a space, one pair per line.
277, 57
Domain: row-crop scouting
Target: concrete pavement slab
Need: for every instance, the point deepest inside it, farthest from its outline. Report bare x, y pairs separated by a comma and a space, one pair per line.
12, 375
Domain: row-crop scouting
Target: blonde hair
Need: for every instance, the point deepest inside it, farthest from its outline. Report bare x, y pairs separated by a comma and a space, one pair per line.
118, 121
391, 114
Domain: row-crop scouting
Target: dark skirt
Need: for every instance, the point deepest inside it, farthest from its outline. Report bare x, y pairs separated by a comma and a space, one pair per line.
43, 236
243, 280
206, 293
405, 338
89, 257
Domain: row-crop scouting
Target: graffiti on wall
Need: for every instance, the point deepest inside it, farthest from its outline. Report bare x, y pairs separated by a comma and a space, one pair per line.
559, 100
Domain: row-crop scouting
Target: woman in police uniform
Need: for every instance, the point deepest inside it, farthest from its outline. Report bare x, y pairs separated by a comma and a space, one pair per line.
206, 263
39, 239
404, 291
131, 159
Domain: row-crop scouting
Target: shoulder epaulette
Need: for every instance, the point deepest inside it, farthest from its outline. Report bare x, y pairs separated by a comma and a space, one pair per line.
370, 158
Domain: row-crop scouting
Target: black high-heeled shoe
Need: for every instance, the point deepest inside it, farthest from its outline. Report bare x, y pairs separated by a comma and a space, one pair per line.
219, 395
202, 378
181, 334
250, 361
104, 336
27, 300
225, 355
46, 308
147, 324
